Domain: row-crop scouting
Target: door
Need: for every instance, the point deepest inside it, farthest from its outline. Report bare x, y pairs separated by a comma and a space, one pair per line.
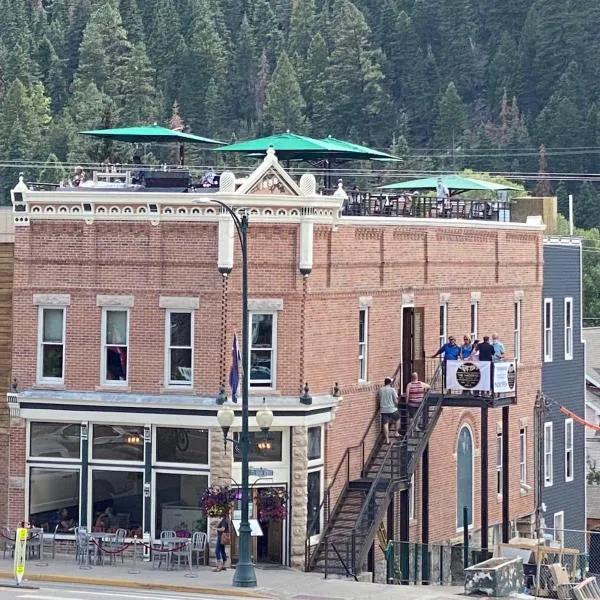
413, 351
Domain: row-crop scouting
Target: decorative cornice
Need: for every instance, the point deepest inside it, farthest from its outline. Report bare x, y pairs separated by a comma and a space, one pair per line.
265, 304
117, 301
52, 299
181, 303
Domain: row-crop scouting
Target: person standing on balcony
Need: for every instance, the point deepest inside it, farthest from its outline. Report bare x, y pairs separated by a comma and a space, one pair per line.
415, 393
388, 407
466, 348
450, 350
498, 347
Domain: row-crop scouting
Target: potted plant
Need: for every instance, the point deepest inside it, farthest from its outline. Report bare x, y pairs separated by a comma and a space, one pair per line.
216, 500
272, 504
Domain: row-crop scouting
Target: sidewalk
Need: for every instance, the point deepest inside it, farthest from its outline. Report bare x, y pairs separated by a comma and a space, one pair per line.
272, 583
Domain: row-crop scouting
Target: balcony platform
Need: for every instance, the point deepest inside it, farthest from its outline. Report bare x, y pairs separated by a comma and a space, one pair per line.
458, 400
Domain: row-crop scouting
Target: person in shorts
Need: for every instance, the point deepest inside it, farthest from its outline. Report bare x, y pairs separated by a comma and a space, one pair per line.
388, 407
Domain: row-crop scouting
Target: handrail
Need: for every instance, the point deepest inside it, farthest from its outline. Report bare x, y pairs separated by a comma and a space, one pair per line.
326, 502
389, 455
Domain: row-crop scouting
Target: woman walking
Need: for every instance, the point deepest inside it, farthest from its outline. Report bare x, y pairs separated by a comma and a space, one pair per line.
223, 539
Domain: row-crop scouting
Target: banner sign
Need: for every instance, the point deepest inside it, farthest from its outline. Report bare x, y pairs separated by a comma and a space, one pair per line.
468, 375
20, 553
505, 376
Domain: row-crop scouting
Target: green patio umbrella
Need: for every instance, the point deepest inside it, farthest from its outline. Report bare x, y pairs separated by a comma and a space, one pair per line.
368, 152
455, 184
145, 134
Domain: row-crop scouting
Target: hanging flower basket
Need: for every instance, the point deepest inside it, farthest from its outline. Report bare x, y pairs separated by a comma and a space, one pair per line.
272, 504
216, 500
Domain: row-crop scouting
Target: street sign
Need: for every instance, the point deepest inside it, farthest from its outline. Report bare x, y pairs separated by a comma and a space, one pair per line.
20, 553
260, 472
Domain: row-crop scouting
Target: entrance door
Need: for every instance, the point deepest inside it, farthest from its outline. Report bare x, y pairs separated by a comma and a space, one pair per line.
413, 351
269, 547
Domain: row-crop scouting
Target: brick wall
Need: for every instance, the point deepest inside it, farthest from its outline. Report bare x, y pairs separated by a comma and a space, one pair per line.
318, 328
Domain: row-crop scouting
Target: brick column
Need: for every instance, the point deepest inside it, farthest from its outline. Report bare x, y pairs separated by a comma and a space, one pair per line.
16, 472
298, 510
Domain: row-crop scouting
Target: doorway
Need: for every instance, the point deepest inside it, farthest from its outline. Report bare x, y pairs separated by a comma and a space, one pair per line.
269, 546
413, 350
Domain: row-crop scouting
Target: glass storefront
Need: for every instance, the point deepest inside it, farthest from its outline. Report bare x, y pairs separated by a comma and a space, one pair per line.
118, 443
55, 440
263, 447
179, 445
53, 497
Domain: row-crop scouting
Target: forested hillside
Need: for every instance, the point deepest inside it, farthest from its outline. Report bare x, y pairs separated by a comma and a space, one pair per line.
446, 84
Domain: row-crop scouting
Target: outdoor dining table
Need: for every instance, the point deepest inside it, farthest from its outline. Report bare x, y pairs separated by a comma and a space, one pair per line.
99, 538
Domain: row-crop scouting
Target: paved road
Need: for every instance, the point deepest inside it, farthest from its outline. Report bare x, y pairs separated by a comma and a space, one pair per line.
49, 591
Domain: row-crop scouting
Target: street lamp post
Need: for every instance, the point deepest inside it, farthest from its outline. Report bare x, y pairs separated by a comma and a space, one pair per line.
244, 575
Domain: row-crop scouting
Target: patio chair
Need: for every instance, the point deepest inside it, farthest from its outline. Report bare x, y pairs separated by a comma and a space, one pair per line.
8, 543
167, 541
198, 547
35, 542
49, 541
85, 550
113, 543
182, 549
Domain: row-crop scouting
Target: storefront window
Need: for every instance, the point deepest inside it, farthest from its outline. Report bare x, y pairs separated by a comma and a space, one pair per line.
313, 502
117, 501
263, 447
55, 440
178, 445
116, 442
178, 503
53, 498
314, 443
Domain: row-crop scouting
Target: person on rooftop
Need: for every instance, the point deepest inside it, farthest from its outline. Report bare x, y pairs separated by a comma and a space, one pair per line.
450, 350
79, 177
208, 178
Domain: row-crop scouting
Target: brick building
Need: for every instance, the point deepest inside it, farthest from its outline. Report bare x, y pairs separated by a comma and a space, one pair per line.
125, 307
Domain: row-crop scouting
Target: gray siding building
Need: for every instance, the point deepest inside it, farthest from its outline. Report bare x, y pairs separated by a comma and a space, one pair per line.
562, 460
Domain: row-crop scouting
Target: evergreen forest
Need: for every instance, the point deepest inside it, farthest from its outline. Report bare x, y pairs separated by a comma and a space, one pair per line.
508, 87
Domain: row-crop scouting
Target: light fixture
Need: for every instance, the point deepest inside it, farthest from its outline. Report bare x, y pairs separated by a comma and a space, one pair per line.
264, 417
133, 440
221, 396
225, 418
306, 398
264, 444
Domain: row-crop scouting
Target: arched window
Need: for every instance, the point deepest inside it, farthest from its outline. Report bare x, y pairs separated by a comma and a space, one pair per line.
464, 477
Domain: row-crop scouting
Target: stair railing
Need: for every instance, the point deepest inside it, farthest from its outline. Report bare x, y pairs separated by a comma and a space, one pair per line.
341, 478
366, 522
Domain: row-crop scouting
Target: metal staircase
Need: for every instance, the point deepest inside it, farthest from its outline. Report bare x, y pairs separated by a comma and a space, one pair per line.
351, 526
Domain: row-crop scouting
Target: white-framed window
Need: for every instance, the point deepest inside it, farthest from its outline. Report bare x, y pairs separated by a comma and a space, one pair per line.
474, 319
263, 349
179, 344
363, 343
548, 457
315, 481
548, 330
411, 498
443, 323
51, 344
569, 456
115, 346
559, 526
523, 454
499, 463
568, 328
517, 329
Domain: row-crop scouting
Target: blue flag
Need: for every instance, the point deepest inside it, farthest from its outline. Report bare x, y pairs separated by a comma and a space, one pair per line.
234, 372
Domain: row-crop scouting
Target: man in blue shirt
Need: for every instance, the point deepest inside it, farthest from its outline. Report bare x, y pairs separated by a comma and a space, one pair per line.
450, 350
498, 347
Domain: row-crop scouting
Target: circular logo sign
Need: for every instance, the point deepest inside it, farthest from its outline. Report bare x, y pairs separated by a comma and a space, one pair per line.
468, 375
511, 376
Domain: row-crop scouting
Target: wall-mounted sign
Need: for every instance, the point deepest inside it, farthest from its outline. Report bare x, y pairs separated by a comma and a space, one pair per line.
260, 472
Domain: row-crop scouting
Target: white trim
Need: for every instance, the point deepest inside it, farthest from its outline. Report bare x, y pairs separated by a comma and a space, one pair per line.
103, 380
411, 498
176, 384
363, 346
365, 301
499, 457
568, 333
114, 301
523, 447
52, 300
273, 384
50, 459
315, 462
561, 537
40, 344
179, 303
548, 340
474, 318
320, 469
265, 305
517, 325
569, 454
548, 454
443, 325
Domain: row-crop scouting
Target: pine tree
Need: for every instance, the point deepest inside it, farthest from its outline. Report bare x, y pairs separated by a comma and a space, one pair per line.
542, 187
242, 77
314, 86
355, 77
266, 31
53, 171
284, 105
302, 30
262, 81
132, 20
452, 119
137, 96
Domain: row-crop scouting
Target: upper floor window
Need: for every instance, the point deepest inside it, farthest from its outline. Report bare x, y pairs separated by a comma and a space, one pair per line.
548, 455
569, 458
548, 330
499, 463
517, 329
474, 320
263, 350
115, 346
51, 353
363, 342
523, 454
180, 350
443, 323
568, 328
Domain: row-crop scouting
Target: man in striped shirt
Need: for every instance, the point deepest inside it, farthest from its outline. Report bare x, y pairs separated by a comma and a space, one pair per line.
415, 393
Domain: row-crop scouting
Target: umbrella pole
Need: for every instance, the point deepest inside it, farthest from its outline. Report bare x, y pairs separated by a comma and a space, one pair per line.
181, 155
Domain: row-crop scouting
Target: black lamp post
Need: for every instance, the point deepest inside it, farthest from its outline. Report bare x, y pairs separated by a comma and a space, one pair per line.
244, 575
